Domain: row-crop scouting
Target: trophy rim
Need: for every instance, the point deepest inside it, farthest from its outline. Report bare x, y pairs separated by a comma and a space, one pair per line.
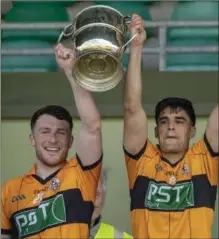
98, 6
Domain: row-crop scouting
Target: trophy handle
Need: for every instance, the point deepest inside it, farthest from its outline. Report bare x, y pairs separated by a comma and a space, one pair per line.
127, 20
129, 41
67, 31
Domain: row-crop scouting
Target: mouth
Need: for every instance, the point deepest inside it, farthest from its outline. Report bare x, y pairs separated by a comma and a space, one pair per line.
52, 149
171, 137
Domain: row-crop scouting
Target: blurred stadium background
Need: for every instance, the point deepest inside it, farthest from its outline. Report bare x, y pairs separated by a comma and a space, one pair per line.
197, 29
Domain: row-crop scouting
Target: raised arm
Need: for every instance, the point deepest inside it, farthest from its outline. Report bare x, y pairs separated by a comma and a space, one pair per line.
135, 120
212, 130
89, 141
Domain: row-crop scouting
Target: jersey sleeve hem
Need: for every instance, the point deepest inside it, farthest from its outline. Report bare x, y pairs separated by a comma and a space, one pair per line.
89, 167
138, 155
209, 148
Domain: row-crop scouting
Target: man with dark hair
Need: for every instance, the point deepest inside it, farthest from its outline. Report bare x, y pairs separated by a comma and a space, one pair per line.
172, 187
55, 199
57, 111
175, 104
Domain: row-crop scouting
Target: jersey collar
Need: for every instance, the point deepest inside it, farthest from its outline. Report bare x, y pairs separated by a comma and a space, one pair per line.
32, 171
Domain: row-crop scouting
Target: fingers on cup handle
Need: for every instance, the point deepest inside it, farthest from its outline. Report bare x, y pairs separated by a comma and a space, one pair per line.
63, 52
58, 50
59, 46
140, 29
72, 55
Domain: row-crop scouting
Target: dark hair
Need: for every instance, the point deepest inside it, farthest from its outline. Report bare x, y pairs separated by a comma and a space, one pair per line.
174, 103
57, 111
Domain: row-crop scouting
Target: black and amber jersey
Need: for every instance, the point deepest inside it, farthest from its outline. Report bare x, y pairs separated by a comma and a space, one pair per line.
173, 201
60, 206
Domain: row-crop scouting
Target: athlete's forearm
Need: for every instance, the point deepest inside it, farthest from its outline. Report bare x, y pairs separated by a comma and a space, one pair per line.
85, 104
133, 84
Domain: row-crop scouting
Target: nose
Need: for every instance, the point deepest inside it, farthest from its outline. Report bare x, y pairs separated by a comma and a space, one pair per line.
171, 126
52, 138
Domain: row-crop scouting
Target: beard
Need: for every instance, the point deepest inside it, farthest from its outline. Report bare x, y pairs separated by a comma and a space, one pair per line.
51, 161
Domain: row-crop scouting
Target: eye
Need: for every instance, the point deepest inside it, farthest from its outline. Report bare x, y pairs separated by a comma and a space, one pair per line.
62, 132
179, 121
162, 121
44, 131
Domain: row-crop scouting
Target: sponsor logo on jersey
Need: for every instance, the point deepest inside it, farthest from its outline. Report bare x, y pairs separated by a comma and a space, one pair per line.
162, 196
49, 213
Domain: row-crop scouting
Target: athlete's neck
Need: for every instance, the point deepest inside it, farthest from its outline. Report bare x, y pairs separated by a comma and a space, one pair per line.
44, 171
173, 157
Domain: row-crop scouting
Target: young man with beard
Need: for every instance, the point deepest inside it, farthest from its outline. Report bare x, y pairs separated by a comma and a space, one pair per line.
55, 199
172, 187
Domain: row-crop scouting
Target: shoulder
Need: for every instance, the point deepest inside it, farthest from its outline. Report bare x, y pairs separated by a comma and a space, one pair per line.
202, 146
12, 183
149, 150
73, 162
10, 187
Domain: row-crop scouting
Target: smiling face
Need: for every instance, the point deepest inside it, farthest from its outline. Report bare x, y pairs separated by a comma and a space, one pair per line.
174, 130
52, 139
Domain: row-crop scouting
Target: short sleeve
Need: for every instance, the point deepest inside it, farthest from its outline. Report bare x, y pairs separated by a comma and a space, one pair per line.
209, 159
88, 177
135, 163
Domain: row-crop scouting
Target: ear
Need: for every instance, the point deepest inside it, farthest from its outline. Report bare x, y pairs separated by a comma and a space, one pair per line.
32, 140
71, 141
156, 132
192, 132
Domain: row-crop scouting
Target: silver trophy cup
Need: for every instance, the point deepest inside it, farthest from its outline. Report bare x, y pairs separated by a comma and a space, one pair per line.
97, 34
